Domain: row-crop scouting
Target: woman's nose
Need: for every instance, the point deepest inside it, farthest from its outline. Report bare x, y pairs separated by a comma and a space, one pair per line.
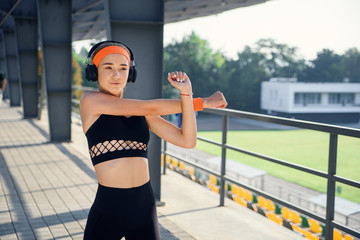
116, 74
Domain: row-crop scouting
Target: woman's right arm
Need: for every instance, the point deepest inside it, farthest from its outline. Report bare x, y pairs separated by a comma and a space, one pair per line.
100, 103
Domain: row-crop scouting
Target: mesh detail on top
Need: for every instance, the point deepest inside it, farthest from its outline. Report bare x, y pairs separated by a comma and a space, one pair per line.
111, 146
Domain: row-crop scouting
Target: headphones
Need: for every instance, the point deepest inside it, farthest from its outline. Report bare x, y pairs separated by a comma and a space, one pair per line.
91, 72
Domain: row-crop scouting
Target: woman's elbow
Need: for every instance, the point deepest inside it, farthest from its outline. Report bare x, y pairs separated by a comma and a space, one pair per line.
190, 144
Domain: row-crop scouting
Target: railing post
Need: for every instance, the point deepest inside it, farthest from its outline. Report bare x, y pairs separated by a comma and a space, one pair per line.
330, 196
225, 121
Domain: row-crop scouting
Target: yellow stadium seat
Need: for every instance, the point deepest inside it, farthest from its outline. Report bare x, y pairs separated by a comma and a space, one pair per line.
314, 226
162, 156
275, 218
191, 171
311, 236
295, 217
168, 159
270, 206
247, 195
337, 235
262, 202
182, 166
286, 213
348, 237
241, 192
296, 228
234, 189
175, 162
240, 201
307, 234
214, 188
212, 179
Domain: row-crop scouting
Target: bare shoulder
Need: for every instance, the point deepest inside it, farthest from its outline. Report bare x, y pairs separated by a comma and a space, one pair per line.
93, 100
90, 96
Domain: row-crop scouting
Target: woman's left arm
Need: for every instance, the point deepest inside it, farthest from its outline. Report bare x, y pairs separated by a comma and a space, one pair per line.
186, 136
169, 132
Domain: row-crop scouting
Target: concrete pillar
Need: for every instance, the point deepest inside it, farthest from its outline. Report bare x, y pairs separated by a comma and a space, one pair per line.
139, 24
55, 38
26, 23
12, 62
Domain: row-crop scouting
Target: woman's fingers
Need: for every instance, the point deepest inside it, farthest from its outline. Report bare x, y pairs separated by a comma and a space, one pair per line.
178, 76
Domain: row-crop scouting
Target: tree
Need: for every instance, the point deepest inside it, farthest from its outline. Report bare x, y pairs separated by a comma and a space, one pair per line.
246, 75
327, 67
281, 60
195, 57
351, 63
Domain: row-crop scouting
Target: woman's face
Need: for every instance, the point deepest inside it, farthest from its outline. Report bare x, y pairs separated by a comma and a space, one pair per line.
113, 71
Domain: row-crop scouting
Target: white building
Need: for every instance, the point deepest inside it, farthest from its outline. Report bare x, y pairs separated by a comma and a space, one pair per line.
324, 102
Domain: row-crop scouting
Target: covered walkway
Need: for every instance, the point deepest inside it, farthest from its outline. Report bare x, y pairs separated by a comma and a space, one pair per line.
46, 190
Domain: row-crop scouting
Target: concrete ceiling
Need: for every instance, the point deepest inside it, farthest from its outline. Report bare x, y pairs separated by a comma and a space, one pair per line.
89, 15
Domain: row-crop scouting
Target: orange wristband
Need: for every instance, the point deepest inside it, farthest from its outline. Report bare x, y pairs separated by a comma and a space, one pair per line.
198, 104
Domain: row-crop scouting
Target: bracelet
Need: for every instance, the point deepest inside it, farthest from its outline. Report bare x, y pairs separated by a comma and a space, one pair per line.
183, 94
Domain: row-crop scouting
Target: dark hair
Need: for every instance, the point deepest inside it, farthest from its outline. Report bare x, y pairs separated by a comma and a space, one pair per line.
91, 72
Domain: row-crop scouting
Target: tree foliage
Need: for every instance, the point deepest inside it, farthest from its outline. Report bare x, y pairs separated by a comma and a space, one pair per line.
195, 57
77, 76
240, 79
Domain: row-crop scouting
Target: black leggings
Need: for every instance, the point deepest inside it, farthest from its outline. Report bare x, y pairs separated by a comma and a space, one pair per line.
123, 212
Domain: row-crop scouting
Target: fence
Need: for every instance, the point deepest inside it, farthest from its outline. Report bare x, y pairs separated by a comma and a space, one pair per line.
330, 175
300, 196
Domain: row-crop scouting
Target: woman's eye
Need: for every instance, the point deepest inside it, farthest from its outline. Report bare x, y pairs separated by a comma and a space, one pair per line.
107, 67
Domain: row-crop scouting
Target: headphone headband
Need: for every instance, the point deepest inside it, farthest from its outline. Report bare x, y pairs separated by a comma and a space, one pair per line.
100, 45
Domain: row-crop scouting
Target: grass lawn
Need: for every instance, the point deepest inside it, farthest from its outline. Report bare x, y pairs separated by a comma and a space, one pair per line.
304, 147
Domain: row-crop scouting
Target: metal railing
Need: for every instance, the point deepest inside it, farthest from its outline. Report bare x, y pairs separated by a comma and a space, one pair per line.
330, 175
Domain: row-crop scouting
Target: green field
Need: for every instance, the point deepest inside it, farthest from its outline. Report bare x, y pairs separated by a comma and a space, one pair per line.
304, 147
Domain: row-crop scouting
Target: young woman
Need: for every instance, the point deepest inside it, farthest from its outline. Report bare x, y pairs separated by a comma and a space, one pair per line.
117, 131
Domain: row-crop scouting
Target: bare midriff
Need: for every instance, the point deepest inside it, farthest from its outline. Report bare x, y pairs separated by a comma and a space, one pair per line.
126, 172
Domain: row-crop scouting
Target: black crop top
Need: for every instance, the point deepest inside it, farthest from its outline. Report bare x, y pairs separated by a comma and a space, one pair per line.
113, 137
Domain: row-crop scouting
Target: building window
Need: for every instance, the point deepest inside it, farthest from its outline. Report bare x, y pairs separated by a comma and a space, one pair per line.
341, 98
307, 98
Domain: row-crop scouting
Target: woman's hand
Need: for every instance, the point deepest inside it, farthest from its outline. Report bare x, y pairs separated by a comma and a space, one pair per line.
216, 100
180, 81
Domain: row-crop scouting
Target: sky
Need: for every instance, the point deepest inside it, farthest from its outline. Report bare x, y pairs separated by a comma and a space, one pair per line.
309, 25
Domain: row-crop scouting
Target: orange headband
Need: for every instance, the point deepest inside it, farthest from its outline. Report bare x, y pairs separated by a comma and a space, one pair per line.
110, 50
